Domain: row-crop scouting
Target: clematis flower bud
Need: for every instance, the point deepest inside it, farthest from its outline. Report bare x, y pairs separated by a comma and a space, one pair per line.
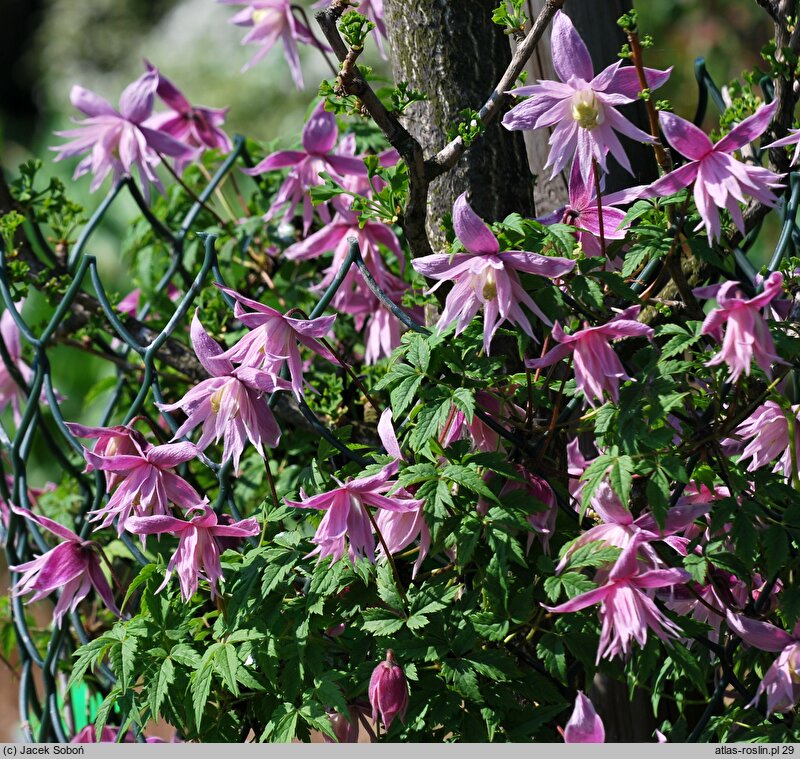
388, 691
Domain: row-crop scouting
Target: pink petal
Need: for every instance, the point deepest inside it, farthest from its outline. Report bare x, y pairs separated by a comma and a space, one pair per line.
761, 635
136, 101
90, 103
584, 725
751, 128
685, 137
473, 232
570, 54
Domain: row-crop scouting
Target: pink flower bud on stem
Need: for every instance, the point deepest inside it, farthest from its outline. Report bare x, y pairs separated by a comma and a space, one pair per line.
388, 691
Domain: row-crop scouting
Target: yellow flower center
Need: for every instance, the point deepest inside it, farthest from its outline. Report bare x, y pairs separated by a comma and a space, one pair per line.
490, 286
262, 14
216, 400
587, 110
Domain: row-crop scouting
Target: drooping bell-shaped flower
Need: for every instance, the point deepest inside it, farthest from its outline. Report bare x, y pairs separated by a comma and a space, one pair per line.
597, 367
765, 434
747, 335
119, 141
72, 567
626, 611
388, 691
230, 405
270, 21
582, 107
720, 180
485, 278
347, 523
781, 683
584, 726
145, 482
197, 555
400, 529
273, 339
320, 135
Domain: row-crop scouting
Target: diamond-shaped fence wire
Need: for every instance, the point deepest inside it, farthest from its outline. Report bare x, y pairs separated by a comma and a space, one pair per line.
46, 712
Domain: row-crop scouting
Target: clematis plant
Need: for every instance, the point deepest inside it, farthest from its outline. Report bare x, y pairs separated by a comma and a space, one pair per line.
197, 126
319, 139
747, 335
230, 404
273, 339
270, 21
144, 480
780, 682
626, 611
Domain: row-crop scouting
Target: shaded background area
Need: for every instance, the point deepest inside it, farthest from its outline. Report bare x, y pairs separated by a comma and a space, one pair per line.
48, 45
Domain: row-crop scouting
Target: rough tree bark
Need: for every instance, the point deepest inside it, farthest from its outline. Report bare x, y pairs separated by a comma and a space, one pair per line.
454, 54
597, 24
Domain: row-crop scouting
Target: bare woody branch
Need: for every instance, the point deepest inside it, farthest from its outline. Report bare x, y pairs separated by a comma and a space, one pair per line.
448, 156
422, 172
353, 83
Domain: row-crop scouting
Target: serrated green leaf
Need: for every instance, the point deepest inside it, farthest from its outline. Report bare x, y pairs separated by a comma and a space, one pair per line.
227, 664
160, 686
200, 688
464, 401
470, 479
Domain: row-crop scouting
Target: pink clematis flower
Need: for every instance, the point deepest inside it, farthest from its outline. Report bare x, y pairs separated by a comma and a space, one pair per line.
230, 403
584, 726
273, 339
781, 683
400, 529
73, 567
626, 611
486, 278
269, 21
335, 237
582, 106
197, 555
747, 336
196, 126
346, 518
111, 441
581, 212
597, 367
720, 181
319, 139
119, 141
766, 432
619, 528
146, 483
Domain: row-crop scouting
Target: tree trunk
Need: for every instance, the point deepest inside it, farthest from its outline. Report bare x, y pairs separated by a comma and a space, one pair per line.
597, 23
455, 55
